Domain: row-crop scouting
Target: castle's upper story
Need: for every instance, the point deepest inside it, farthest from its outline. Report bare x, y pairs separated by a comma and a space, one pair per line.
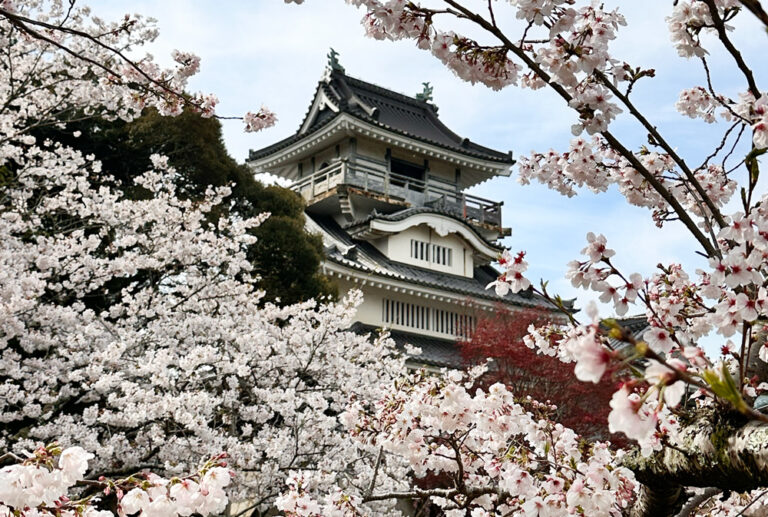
381, 142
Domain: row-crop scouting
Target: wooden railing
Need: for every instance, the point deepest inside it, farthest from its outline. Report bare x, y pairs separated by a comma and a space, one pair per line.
371, 176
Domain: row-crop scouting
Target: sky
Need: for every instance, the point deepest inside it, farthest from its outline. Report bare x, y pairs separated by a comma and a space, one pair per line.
267, 52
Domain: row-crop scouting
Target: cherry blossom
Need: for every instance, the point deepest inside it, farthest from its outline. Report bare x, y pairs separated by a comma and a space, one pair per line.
44, 484
509, 457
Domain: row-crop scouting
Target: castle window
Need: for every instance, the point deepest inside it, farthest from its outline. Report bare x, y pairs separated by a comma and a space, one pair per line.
407, 169
411, 315
420, 250
441, 255
405, 314
433, 253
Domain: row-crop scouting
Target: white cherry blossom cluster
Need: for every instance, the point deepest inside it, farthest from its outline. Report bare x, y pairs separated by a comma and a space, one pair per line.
576, 47
594, 165
89, 65
689, 19
38, 482
49, 483
201, 494
512, 279
489, 454
459, 54
698, 103
185, 341
594, 274
262, 119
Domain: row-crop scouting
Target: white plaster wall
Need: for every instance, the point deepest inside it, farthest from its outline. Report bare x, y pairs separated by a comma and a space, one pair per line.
382, 245
399, 247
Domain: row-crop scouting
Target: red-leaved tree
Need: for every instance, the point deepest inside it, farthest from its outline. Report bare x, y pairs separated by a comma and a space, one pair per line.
499, 336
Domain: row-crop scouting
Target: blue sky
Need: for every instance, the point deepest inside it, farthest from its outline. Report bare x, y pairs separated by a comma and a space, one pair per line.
272, 53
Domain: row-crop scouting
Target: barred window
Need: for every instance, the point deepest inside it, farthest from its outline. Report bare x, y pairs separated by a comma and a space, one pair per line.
441, 255
433, 253
405, 314
420, 250
420, 317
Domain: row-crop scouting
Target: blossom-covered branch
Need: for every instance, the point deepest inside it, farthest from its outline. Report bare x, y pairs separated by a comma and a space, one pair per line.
51, 482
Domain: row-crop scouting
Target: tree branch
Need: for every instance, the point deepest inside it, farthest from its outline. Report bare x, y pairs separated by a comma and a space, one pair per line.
685, 218
723, 35
756, 9
445, 493
668, 148
658, 501
713, 450
372, 484
694, 502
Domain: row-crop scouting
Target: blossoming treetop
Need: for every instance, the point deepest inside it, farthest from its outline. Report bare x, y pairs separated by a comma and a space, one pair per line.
132, 327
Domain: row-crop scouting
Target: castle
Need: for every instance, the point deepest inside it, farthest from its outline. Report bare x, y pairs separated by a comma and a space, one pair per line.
384, 184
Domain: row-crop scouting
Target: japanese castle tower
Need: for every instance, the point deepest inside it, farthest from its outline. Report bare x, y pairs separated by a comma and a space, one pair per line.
384, 185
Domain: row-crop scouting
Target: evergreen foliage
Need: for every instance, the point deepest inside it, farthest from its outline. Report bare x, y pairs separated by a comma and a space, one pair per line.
287, 258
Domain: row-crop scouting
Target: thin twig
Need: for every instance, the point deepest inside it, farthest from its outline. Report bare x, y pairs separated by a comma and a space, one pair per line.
728, 44
372, 484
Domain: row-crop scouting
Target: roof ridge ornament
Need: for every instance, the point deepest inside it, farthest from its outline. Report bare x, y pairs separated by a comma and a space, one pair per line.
426, 93
333, 61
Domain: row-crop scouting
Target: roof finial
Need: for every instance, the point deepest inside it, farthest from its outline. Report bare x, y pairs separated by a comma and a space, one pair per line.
426, 93
333, 61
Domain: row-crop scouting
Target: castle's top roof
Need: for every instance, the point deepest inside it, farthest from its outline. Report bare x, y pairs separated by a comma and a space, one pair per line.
338, 94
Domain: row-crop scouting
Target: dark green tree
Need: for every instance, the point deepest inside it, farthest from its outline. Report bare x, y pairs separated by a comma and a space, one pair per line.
287, 258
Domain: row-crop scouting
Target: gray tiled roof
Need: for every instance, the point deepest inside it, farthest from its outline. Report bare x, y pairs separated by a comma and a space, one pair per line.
408, 212
442, 353
387, 109
363, 256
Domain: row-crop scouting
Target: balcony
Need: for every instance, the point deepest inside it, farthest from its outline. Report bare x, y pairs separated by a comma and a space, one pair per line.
371, 176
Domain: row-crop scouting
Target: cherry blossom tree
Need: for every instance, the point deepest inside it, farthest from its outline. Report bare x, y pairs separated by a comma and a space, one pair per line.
698, 433
501, 457
131, 328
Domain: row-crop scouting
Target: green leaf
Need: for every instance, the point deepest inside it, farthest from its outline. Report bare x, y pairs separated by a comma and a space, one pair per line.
752, 164
724, 387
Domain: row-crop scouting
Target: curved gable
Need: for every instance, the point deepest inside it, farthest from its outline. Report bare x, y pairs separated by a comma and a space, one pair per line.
443, 225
